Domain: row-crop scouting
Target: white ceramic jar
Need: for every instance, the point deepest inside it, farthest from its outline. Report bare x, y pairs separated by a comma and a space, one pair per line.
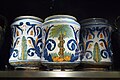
27, 42
96, 38
61, 40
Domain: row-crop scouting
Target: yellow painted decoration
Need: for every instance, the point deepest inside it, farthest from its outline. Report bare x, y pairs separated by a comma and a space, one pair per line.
90, 45
23, 53
96, 57
17, 42
55, 59
60, 59
29, 41
36, 40
102, 44
107, 43
101, 35
31, 32
67, 58
96, 53
90, 36
17, 33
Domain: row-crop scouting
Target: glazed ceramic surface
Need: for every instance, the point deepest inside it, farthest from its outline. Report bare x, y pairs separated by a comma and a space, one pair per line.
61, 39
27, 41
96, 39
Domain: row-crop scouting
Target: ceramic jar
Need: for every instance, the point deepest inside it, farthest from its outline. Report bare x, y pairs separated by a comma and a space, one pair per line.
61, 39
27, 42
96, 39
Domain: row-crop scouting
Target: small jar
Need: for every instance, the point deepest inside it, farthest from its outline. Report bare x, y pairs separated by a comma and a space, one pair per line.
61, 39
96, 40
27, 42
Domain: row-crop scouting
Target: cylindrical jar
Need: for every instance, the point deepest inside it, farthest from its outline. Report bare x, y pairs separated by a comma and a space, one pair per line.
26, 42
61, 39
96, 40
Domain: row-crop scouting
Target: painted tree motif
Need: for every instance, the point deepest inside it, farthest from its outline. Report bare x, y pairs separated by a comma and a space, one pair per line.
24, 49
96, 53
61, 31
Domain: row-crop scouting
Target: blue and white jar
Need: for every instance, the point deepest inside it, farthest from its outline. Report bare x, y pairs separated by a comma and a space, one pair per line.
27, 42
96, 39
61, 39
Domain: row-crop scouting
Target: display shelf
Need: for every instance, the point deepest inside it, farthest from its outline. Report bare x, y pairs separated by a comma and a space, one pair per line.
60, 74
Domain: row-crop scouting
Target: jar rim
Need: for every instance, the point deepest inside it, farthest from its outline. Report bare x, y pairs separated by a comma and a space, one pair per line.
94, 19
60, 16
28, 17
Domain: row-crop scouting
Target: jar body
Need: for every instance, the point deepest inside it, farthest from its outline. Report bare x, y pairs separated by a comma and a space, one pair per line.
27, 42
61, 39
96, 39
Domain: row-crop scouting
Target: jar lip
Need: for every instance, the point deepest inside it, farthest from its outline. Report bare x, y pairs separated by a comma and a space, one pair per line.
60, 21
28, 17
60, 16
94, 19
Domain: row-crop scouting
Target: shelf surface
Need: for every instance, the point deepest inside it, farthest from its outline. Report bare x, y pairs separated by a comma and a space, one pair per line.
60, 74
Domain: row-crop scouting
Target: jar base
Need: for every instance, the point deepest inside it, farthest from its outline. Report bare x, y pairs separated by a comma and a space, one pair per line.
60, 66
27, 68
92, 66
26, 65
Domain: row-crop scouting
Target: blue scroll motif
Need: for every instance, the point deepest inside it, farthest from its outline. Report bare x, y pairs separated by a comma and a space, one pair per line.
75, 32
91, 31
71, 44
35, 49
88, 54
101, 30
38, 48
104, 53
50, 44
76, 56
39, 44
46, 56
31, 51
32, 26
14, 52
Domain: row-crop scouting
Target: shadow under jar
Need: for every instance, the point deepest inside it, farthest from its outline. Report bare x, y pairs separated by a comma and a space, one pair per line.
96, 42
61, 38
27, 42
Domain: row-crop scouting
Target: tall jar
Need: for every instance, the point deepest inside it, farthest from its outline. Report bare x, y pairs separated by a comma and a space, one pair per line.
96, 40
61, 41
26, 43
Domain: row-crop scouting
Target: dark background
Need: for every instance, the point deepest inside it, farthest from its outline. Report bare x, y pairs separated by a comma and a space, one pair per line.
80, 9
43, 8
